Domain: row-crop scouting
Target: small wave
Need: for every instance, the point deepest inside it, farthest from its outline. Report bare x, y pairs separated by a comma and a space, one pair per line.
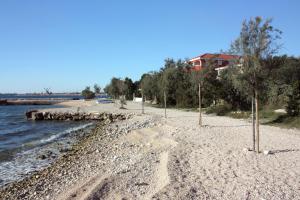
53, 137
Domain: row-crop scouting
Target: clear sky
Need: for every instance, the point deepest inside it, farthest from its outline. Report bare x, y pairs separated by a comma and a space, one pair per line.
68, 44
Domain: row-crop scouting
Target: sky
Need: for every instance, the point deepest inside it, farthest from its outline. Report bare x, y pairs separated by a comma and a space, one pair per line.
66, 45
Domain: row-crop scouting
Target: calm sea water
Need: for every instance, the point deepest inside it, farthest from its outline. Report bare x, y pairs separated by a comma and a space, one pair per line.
21, 140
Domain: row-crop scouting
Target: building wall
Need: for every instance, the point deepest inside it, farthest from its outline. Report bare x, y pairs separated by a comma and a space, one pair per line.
219, 61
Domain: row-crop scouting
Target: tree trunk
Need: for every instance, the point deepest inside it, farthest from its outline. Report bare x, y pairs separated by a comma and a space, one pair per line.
253, 122
200, 116
165, 100
143, 102
257, 121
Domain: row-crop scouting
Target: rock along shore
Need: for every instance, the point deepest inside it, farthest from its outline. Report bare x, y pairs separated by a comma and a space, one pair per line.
75, 116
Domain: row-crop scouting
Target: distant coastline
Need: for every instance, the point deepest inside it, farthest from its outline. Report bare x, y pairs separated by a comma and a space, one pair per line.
40, 99
40, 96
36, 99
36, 96
15, 102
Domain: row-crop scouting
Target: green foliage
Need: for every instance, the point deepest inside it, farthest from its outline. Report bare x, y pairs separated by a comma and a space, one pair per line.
87, 93
231, 92
284, 83
97, 89
116, 87
149, 84
256, 43
239, 114
220, 110
280, 119
293, 104
286, 121
173, 79
130, 88
169, 82
184, 92
211, 86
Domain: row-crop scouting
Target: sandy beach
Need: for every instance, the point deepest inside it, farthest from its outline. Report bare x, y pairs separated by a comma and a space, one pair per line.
150, 157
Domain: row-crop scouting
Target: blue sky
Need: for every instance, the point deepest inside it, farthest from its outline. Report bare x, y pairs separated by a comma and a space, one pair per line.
68, 44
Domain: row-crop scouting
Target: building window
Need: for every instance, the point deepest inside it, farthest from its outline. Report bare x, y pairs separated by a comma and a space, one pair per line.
197, 63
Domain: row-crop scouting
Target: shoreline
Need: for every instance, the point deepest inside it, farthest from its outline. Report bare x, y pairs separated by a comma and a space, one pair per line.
40, 184
25, 187
44, 155
12, 189
52, 152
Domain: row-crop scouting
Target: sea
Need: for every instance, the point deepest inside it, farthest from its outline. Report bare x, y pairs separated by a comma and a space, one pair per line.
27, 146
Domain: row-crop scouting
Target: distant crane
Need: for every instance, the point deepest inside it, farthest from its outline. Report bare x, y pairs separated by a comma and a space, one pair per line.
48, 91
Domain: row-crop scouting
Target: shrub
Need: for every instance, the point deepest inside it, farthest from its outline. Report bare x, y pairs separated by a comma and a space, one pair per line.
219, 110
87, 93
293, 104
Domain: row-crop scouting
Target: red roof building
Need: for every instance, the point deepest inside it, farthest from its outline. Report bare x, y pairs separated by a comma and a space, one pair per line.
221, 61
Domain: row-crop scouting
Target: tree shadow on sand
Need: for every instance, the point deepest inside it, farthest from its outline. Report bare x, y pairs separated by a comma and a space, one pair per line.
224, 126
283, 151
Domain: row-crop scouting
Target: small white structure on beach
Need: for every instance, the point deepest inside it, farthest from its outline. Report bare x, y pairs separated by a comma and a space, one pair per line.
137, 99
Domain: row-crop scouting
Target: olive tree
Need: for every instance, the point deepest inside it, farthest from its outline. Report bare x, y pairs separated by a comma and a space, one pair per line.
256, 43
97, 89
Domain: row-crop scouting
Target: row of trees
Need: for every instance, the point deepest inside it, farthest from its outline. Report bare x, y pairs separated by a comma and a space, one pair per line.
279, 87
274, 81
122, 87
87, 93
